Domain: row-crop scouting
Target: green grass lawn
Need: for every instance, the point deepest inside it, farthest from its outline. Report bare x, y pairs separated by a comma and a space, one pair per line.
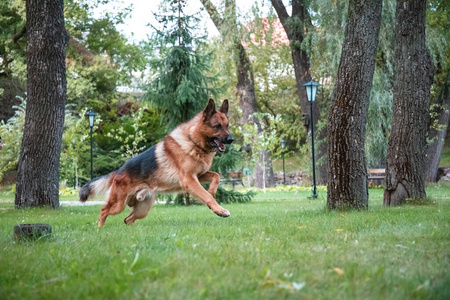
282, 245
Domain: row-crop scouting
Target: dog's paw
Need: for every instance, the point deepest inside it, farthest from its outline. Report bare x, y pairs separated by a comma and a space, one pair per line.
142, 194
223, 213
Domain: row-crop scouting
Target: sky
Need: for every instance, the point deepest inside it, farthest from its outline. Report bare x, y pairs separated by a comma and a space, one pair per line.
136, 29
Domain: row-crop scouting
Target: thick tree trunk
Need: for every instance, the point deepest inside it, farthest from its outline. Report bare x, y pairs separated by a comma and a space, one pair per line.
347, 175
413, 76
437, 132
38, 174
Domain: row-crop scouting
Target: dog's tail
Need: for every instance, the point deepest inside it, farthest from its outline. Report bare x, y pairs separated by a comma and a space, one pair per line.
96, 186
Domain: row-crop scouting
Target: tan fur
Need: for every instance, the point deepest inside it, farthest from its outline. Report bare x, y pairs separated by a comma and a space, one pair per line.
184, 158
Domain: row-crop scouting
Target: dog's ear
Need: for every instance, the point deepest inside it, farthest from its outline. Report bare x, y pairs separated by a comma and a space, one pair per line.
224, 107
209, 110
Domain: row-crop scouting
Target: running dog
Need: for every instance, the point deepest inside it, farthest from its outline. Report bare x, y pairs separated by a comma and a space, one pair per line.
178, 163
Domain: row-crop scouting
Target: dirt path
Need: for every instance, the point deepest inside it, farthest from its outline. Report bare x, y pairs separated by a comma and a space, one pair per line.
79, 203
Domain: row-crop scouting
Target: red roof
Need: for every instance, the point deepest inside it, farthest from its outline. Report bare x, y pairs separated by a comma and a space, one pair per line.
279, 36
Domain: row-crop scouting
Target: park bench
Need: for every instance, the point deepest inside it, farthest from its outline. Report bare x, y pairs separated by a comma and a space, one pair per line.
376, 176
233, 177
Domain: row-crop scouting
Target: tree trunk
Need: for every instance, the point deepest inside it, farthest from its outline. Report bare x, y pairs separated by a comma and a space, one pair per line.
245, 81
322, 165
437, 132
295, 26
347, 175
247, 102
38, 172
413, 76
245, 86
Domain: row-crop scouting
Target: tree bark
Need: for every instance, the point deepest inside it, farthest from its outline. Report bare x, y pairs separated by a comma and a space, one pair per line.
322, 161
245, 80
413, 76
295, 26
347, 175
437, 132
38, 172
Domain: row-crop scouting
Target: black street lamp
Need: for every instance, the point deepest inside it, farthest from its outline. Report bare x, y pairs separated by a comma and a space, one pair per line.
283, 143
311, 89
91, 115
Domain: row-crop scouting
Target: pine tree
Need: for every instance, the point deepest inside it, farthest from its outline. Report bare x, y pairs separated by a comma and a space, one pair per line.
182, 85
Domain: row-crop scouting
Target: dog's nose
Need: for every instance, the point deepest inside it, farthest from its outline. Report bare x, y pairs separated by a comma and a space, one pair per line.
229, 139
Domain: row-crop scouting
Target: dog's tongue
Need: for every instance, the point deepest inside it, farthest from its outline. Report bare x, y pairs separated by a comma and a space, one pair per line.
219, 145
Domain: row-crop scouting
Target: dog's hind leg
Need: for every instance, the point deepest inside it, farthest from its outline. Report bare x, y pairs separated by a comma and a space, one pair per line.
116, 201
141, 207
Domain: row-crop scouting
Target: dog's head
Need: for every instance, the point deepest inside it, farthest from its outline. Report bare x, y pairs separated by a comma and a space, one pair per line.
215, 125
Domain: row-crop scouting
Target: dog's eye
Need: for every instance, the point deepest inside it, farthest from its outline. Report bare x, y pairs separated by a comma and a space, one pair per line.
218, 126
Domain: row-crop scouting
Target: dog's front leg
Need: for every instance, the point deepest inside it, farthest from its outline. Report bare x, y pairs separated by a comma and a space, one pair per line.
192, 185
213, 178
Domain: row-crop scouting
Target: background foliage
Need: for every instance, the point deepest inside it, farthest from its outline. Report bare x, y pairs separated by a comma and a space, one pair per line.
180, 67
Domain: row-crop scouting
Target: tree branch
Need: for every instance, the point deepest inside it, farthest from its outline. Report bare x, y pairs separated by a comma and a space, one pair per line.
297, 7
214, 14
281, 11
17, 36
308, 20
82, 50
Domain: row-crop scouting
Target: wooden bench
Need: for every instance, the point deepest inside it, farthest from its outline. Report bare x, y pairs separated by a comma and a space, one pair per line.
233, 177
376, 176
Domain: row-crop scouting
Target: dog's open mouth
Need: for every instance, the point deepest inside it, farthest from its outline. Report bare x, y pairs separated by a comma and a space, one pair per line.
217, 145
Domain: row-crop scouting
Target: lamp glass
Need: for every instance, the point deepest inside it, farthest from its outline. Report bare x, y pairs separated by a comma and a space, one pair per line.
282, 144
311, 90
91, 120
91, 114
308, 92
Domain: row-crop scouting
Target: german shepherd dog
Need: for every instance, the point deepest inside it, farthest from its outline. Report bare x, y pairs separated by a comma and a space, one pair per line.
178, 163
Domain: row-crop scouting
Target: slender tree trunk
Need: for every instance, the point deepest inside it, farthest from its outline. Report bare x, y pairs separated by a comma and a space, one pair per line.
38, 174
437, 132
303, 75
295, 26
245, 81
322, 165
245, 86
187, 198
347, 175
247, 103
413, 76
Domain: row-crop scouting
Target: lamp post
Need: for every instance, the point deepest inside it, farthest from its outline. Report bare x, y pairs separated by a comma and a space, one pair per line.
91, 115
311, 89
283, 143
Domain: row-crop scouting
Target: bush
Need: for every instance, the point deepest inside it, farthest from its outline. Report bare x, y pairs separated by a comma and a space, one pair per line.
232, 196
222, 196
